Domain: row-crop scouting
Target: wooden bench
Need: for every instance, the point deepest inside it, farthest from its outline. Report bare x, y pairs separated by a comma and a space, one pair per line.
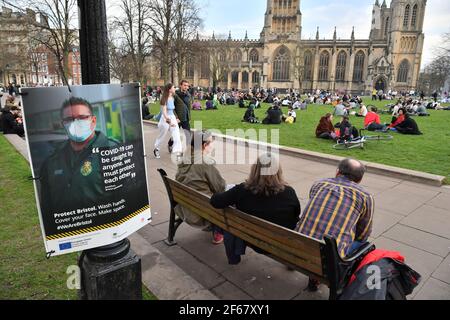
318, 259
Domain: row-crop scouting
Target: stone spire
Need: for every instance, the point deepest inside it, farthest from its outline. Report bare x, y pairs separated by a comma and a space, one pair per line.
384, 5
213, 37
334, 35
246, 35
353, 34
229, 36
317, 34
377, 3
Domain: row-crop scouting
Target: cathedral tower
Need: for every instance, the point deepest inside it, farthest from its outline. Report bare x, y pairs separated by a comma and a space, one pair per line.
406, 41
281, 37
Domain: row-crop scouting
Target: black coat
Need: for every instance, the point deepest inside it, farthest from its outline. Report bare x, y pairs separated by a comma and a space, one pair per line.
397, 281
409, 126
9, 124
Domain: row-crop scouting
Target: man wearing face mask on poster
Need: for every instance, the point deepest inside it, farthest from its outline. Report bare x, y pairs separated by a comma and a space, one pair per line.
71, 177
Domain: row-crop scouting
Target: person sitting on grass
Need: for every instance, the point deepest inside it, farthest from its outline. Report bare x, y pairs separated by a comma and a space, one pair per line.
199, 172
422, 111
291, 116
241, 103
408, 126
274, 115
372, 121
362, 111
340, 110
346, 130
210, 104
249, 115
266, 195
400, 118
197, 106
325, 128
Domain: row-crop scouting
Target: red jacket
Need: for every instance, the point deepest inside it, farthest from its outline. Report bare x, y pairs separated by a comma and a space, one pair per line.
375, 256
371, 118
399, 120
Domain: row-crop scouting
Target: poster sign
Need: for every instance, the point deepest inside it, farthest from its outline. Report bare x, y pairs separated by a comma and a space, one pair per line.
88, 162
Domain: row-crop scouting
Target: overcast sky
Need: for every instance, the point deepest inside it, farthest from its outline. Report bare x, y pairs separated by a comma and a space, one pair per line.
237, 16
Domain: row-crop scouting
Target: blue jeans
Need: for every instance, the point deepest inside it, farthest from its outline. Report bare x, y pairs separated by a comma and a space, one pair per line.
356, 245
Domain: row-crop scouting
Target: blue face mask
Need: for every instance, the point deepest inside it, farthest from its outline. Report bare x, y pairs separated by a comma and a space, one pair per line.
79, 130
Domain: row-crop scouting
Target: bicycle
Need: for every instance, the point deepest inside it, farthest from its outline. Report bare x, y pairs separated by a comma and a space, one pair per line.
360, 141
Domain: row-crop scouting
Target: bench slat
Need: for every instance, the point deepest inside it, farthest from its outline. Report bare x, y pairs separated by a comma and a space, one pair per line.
295, 251
276, 232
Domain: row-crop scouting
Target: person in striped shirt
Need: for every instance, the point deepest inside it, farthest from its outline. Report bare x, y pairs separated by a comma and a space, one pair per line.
341, 208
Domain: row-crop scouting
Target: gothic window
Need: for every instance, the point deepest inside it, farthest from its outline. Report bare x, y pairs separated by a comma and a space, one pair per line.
308, 65
358, 69
189, 68
254, 56
204, 66
222, 56
235, 77
406, 16
237, 55
255, 77
340, 67
281, 65
414, 17
245, 77
386, 27
403, 71
323, 66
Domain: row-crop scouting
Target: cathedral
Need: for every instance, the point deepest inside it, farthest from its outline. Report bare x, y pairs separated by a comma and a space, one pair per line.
388, 60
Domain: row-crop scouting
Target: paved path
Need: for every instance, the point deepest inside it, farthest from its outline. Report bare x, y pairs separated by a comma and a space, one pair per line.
411, 218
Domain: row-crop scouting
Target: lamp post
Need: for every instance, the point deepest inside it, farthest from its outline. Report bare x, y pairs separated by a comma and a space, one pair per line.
113, 271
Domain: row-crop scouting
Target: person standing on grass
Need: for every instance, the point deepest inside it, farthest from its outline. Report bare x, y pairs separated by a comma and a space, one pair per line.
168, 122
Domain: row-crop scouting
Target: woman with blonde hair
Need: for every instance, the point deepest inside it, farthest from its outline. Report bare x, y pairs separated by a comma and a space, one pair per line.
168, 122
266, 195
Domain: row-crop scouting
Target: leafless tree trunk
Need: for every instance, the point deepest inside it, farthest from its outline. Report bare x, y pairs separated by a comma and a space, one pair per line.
55, 29
131, 33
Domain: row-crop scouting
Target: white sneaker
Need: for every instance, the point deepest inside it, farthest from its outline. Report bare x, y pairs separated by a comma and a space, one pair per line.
156, 153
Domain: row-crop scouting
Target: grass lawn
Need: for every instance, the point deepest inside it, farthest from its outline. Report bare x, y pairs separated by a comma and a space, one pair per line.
25, 273
427, 153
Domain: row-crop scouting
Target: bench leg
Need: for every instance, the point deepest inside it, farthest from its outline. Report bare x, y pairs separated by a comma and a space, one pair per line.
173, 226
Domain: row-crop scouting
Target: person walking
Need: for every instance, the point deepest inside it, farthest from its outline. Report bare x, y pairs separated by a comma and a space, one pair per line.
168, 122
183, 105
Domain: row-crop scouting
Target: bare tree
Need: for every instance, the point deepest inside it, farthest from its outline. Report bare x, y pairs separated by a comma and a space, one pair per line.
219, 67
131, 36
54, 29
187, 23
121, 63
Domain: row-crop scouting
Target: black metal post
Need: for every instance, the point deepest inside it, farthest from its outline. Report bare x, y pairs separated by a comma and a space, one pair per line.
113, 271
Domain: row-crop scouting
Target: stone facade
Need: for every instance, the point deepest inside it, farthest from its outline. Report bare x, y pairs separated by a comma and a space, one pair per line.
389, 59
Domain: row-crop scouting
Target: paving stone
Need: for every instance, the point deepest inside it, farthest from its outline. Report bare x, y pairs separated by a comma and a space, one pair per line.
228, 291
382, 221
265, 279
434, 290
443, 272
423, 262
400, 202
198, 243
441, 201
419, 239
430, 219
206, 276
152, 235
162, 277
